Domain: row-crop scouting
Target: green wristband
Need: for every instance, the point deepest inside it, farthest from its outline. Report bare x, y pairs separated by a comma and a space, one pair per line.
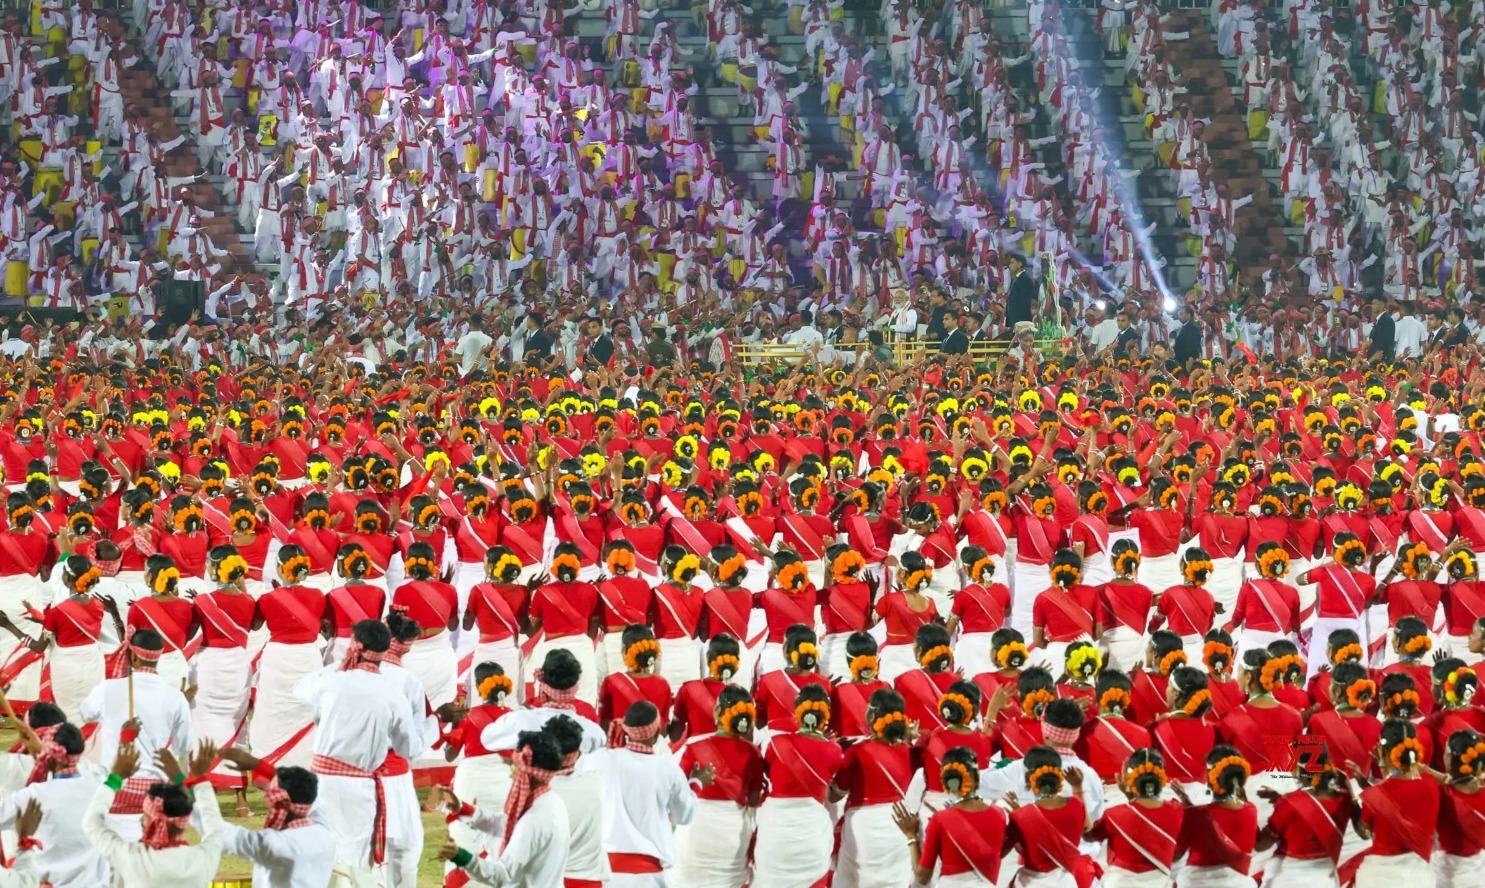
114, 782
463, 859
178, 779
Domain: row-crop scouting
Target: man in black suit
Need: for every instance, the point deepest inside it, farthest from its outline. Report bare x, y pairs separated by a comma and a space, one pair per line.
1022, 295
539, 343
954, 341
1384, 331
1127, 345
600, 344
1189, 338
974, 329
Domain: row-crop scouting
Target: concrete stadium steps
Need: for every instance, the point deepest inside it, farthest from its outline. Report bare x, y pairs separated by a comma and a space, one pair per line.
1260, 229
139, 86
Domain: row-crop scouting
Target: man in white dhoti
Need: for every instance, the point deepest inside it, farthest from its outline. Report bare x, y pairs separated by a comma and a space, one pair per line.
647, 797
138, 708
360, 715
534, 824
580, 784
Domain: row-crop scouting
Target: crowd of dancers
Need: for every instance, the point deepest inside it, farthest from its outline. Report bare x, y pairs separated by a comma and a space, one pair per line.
875, 625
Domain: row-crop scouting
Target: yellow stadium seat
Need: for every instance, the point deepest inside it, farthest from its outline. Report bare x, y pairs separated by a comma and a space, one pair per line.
471, 157
64, 214
89, 249
31, 152
738, 269
487, 186
118, 308
682, 183
1257, 124
48, 181
17, 272
93, 146
729, 72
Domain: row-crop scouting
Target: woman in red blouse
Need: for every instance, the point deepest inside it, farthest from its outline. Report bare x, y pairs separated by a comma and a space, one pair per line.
1217, 656
313, 536
692, 714
1344, 590
1186, 735
1067, 611
1415, 594
875, 776
1262, 729
1216, 839
1292, 691
223, 664
252, 538
1021, 728
1125, 604
1400, 815
789, 600
849, 698
353, 601
965, 838
1046, 831
980, 607
922, 687
904, 610
727, 607
1307, 827
293, 614
482, 778
957, 708
434, 606
564, 612
1144, 835
1223, 534
497, 607
1347, 727
776, 690
1008, 655
795, 830
1459, 860
1464, 597
1108, 738
1455, 689
713, 848
1342, 647
166, 612
1410, 647
186, 542
1267, 608
1081, 664
1187, 608
676, 616
1163, 655
624, 599
846, 607
74, 626
1161, 523
637, 682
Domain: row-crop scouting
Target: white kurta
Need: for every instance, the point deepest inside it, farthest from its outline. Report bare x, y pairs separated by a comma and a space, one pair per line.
188, 866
